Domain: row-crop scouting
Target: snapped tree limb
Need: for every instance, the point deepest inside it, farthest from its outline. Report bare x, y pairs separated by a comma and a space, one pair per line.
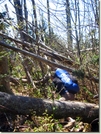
37, 57
59, 109
43, 49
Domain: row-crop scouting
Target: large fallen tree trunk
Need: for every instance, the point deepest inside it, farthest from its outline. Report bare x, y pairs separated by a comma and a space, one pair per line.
59, 109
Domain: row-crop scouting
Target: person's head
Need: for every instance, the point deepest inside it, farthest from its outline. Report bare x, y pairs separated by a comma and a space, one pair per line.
52, 75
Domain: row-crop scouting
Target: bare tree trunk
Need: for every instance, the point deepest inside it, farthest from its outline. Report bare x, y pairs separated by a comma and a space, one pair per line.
76, 31
20, 20
19, 15
35, 18
69, 29
26, 15
4, 69
94, 5
4, 72
29, 78
59, 109
49, 26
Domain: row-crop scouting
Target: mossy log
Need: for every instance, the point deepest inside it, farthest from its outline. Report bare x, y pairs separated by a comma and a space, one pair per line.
22, 105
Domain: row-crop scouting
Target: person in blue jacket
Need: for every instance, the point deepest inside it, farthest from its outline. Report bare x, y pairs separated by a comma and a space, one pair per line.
66, 85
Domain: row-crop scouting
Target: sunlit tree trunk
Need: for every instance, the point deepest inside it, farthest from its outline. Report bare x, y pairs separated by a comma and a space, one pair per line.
69, 28
19, 15
35, 19
77, 30
26, 15
49, 25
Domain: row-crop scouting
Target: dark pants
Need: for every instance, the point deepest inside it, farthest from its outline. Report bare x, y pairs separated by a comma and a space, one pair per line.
60, 88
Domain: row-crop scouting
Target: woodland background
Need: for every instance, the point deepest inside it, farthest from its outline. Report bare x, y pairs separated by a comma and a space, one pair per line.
35, 38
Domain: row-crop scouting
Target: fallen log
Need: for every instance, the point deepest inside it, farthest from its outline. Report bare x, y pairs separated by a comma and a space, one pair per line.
41, 59
37, 57
22, 105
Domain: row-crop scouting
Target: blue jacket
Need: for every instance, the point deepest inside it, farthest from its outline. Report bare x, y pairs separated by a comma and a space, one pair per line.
64, 76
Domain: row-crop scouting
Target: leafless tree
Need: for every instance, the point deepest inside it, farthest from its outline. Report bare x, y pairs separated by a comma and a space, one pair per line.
35, 19
49, 23
69, 28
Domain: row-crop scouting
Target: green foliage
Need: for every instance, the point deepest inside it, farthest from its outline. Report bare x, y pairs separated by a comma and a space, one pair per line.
3, 76
3, 24
43, 124
95, 59
79, 73
3, 54
47, 124
78, 119
87, 91
44, 90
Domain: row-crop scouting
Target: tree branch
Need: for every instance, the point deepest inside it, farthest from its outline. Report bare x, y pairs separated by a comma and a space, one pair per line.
37, 57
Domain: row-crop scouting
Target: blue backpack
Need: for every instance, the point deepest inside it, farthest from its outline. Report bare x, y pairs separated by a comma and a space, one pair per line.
64, 76
67, 81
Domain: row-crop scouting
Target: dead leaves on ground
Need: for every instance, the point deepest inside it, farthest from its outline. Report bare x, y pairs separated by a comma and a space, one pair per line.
75, 126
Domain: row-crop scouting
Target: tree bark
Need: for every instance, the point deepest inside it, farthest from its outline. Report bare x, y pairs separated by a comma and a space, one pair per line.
49, 23
59, 109
69, 28
4, 72
35, 19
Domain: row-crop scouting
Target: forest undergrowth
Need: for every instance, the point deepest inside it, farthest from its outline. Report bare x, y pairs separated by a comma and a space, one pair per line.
88, 88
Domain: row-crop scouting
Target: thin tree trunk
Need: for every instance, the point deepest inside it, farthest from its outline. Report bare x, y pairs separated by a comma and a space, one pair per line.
69, 29
26, 15
35, 18
49, 26
94, 6
76, 32
19, 15
29, 78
